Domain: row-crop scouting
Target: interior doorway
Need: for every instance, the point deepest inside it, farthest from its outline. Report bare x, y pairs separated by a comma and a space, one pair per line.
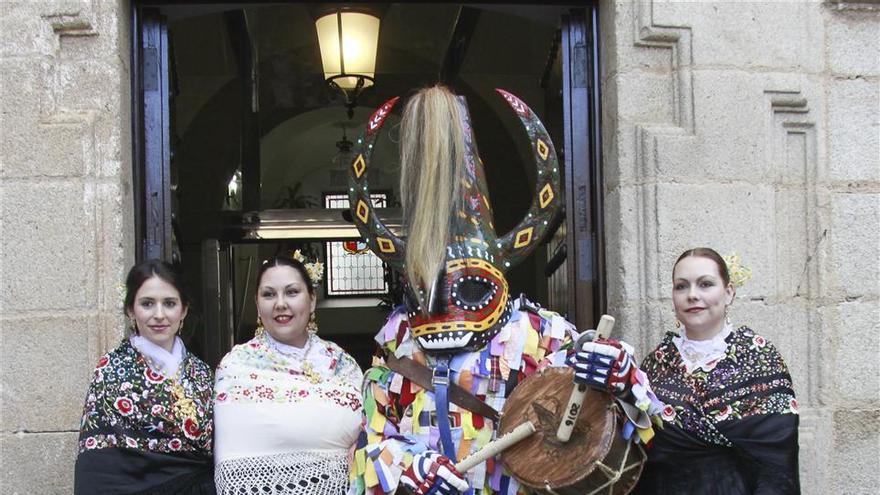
240, 142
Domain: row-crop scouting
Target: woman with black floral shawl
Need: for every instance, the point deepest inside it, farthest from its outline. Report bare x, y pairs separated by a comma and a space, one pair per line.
730, 422
147, 421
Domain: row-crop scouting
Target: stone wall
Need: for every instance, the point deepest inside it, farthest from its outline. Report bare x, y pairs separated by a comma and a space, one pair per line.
66, 235
754, 127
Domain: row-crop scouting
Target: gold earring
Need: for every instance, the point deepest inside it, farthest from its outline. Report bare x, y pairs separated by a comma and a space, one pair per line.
180, 327
134, 326
260, 330
727, 314
312, 327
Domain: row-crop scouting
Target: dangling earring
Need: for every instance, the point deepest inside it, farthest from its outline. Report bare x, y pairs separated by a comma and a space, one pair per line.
727, 314
134, 326
677, 323
180, 327
259, 331
312, 326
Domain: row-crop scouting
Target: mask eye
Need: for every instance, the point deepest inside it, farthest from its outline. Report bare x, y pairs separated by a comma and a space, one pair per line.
473, 293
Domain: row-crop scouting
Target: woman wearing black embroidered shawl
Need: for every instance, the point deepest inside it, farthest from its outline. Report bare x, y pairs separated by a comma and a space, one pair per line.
146, 426
730, 423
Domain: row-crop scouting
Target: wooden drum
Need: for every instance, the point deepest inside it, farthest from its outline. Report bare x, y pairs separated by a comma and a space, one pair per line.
596, 460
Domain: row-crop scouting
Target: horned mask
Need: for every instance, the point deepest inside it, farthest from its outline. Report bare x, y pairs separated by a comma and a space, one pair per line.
461, 300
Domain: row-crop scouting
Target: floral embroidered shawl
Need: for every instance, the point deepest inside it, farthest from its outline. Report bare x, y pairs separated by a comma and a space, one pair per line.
286, 416
144, 433
730, 425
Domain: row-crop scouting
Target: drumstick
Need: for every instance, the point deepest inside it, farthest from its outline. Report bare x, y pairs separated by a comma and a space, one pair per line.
571, 411
494, 447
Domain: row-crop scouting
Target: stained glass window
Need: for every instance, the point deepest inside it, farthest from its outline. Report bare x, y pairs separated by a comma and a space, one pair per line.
352, 269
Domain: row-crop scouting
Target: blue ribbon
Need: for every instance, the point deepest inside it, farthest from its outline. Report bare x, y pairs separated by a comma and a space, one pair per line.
440, 380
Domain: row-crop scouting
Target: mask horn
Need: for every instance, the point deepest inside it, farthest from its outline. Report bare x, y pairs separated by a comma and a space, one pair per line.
377, 235
547, 203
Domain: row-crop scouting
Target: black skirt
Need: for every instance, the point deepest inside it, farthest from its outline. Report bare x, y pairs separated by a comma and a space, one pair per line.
761, 461
118, 471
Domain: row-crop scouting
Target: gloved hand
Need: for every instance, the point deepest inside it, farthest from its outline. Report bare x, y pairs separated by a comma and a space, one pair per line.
605, 365
432, 473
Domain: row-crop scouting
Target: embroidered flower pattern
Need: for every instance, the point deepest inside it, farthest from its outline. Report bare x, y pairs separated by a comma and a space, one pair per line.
152, 376
124, 406
750, 379
126, 395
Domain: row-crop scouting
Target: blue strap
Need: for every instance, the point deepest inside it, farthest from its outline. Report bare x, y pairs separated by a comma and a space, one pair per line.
440, 380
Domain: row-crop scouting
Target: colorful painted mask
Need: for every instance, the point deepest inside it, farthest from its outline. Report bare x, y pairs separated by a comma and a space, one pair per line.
469, 302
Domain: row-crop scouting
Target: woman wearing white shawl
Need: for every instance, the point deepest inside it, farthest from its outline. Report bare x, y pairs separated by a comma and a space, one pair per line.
287, 403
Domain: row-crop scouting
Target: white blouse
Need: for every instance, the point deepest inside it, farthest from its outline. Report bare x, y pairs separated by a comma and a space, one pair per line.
699, 353
285, 418
158, 359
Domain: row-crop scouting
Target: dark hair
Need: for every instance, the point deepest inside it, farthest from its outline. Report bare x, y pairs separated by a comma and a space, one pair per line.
283, 261
148, 269
710, 253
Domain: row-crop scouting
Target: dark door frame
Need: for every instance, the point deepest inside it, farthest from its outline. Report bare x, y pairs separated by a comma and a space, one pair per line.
151, 124
584, 196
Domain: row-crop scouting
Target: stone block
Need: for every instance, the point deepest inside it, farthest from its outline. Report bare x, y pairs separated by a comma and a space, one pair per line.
114, 250
781, 35
815, 437
858, 327
734, 128
854, 463
48, 240
83, 86
853, 42
648, 97
47, 366
36, 149
726, 217
854, 130
787, 325
618, 243
35, 144
23, 32
38, 463
619, 149
619, 50
855, 244
642, 325
825, 366
21, 88
794, 252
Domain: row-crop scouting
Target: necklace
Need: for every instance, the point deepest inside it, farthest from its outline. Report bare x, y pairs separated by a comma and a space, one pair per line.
306, 367
182, 406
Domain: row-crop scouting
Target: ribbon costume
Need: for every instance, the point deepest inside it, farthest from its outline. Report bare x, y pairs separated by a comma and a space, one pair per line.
460, 320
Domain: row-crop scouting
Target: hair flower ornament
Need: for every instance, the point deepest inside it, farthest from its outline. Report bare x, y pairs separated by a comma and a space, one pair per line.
739, 273
314, 268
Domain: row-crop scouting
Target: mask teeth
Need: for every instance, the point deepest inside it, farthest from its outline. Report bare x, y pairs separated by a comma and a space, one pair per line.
445, 341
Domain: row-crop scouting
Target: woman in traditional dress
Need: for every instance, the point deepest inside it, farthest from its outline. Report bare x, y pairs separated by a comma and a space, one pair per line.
287, 403
730, 416
146, 428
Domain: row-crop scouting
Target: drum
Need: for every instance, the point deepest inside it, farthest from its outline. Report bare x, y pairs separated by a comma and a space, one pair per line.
596, 460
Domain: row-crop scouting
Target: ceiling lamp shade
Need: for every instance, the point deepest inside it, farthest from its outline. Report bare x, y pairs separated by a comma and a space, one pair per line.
348, 43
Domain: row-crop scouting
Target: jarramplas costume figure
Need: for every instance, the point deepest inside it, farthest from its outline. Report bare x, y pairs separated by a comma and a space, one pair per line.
461, 336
